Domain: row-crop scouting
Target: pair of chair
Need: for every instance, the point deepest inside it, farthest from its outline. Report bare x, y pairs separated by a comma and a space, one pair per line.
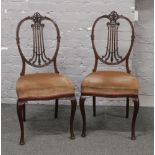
48, 86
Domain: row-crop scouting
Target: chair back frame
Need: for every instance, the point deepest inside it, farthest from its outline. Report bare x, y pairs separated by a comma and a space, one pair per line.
112, 56
39, 58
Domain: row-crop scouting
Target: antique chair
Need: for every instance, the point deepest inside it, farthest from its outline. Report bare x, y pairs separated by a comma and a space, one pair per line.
41, 86
111, 83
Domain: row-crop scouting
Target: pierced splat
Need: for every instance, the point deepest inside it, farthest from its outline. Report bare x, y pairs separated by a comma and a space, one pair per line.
112, 43
39, 55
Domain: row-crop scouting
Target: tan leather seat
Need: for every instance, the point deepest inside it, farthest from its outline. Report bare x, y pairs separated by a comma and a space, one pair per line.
43, 86
109, 83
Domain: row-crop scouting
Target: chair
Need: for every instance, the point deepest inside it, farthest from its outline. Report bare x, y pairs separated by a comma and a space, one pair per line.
111, 83
41, 86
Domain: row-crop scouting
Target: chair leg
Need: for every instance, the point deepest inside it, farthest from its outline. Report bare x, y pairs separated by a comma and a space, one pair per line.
136, 108
94, 106
127, 107
24, 112
82, 109
56, 108
73, 109
20, 107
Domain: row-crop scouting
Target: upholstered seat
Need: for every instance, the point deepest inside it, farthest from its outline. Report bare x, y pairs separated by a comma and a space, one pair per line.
43, 86
109, 83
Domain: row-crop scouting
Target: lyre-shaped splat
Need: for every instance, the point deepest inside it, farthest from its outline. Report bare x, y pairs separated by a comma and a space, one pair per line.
38, 45
112, 43
39, 55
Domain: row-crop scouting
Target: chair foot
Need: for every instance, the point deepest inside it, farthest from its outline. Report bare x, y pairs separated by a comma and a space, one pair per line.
83, 134
136, 109
20, 107
94, 106
21, 142
73, 109
133, 137
72, 137
82, 109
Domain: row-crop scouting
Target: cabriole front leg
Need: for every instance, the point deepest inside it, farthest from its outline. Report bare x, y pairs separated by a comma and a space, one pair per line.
82, 109
73, 109
20, 108
136, 108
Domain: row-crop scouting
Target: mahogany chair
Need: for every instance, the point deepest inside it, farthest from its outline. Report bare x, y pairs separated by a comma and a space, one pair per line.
41, 86
111, 83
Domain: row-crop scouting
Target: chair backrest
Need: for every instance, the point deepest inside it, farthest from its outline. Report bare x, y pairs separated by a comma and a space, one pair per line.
112, 56
38, 56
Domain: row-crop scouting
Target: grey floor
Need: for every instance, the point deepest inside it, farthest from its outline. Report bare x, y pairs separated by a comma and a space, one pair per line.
107, 134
